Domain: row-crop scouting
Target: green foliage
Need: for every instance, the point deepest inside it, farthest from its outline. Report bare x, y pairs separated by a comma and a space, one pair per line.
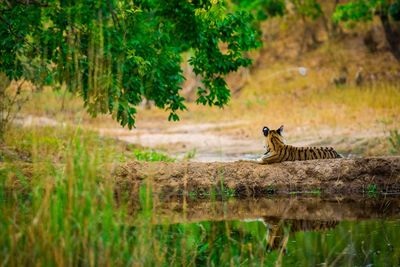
150, 155
394, 140
364, 10
353, 11
70, 205
315, 192
190, 154
372, 190
263, 9
272, 8
115, 53
394, 10
308, 8
223, 191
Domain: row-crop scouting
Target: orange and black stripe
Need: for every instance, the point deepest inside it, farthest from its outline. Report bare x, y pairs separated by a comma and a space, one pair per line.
278, 151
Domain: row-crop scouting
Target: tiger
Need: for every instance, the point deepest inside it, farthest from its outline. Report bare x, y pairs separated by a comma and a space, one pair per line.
278, 151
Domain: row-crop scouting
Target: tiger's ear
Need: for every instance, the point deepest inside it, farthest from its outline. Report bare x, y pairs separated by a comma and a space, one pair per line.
280, 130
265, 131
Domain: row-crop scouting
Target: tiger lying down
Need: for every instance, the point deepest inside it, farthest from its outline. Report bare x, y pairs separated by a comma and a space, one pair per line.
278, 151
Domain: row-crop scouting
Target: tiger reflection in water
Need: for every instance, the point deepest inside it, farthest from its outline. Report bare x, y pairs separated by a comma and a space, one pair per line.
279, 230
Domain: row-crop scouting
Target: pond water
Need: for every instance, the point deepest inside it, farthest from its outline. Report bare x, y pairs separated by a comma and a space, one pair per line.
291, 231
272, 242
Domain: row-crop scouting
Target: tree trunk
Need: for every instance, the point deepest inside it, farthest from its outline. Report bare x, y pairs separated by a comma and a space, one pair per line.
331, 27
392, 36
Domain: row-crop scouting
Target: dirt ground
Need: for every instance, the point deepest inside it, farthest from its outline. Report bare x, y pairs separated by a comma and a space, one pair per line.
328, 177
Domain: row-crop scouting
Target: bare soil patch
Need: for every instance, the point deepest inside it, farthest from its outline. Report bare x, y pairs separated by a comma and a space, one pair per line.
336, 176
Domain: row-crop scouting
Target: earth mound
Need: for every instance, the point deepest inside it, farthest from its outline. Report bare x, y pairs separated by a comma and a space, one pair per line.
334, 176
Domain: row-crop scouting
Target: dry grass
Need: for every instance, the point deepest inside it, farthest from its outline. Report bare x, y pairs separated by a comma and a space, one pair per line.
349, 117
306, 108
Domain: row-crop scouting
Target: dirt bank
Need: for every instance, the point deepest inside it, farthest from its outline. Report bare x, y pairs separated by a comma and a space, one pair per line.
339, 176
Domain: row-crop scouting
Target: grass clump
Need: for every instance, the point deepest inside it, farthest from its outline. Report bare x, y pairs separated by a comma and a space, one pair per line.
191, 154
394, 140
151, 155
63, 212
66, 219
372, 190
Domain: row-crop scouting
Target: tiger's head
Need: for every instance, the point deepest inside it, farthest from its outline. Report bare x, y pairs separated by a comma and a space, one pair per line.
273, 138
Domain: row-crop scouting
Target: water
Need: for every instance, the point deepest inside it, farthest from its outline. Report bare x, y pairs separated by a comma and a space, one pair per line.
290, 231
288, 242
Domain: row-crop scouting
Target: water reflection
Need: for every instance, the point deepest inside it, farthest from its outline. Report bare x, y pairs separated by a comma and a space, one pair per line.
294, 231
288, 208
278, 230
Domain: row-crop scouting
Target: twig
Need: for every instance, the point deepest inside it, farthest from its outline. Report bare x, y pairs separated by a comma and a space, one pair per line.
11, 104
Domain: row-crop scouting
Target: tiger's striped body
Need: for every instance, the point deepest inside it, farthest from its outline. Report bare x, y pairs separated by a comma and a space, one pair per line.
292, 153
278, 151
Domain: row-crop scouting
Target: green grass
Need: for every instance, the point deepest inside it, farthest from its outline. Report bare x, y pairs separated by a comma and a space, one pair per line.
372, 190
48, 143
190, 154
67, 216
63, 211
151, 155
394, 140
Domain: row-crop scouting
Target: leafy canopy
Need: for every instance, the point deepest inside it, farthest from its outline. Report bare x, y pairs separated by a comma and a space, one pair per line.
364, 10
115, 52
265, 9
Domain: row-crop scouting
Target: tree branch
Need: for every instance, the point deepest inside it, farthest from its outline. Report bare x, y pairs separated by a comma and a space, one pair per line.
15, 34
11, 30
